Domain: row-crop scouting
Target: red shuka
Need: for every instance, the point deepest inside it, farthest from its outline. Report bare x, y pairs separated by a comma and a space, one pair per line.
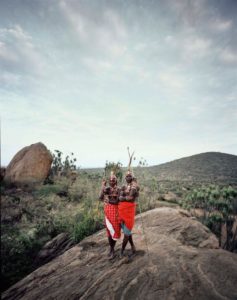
112, 221
127, 213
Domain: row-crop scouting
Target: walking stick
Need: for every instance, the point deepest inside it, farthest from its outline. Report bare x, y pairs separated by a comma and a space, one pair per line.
98, 204
139, 205
97, 211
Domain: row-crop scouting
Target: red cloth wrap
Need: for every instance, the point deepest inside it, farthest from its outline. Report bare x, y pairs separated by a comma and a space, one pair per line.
111, 213
127, 213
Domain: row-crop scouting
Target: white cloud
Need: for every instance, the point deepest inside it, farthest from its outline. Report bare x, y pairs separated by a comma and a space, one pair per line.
189, 12
172, 81
97, 66
18, 53
140, 47
106, 32
221, 25
9, 79
5, 53
195, 46
228, 56
170, 40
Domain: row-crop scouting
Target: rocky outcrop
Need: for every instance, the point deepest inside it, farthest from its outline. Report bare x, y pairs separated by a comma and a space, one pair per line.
31, 164
2, 173
54, 248
170, 196
177, 258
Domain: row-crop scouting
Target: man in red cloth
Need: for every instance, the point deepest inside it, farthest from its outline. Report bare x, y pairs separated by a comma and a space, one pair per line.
110, 196
127, 209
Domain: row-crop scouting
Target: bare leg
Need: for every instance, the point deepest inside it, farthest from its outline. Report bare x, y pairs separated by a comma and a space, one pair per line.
132, 244
112, 245
124, 244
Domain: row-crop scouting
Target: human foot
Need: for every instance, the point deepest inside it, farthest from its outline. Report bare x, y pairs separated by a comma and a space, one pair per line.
133, 249
111, 255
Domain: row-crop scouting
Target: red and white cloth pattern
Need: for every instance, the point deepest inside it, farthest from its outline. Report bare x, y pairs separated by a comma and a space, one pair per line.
112, 224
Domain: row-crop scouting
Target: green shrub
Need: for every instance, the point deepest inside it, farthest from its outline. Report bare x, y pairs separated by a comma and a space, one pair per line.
219, 208
77, 193
18, 251
85, 225
113, 167
53, 226
46, 190
62, 166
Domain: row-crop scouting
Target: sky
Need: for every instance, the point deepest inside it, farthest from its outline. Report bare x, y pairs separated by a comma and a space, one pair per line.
93, 77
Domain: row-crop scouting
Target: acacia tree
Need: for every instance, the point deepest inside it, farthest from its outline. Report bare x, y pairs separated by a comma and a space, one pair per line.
60, 166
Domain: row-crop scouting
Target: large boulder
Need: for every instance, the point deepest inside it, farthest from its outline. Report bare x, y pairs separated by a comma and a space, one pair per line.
177, 258
31, 164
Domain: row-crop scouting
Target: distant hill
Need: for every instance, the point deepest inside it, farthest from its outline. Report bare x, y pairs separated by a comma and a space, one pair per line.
209, 166
203, 167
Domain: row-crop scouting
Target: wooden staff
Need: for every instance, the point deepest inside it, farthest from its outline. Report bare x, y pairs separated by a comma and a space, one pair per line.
139, 205
130, 160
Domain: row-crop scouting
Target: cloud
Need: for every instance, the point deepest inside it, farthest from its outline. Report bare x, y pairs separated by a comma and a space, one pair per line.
221, 25
8, 80
108, 74
188, 13
102, 29
18, 53
187, 47
195, 46
97, 66
171, 81
228, 56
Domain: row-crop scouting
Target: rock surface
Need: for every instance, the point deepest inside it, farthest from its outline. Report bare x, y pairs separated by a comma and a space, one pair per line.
170, 196
31, 164
2, 173
54, 248
178, 259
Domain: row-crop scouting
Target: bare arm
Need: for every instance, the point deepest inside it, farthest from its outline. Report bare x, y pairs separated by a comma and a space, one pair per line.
132, 195
102, 191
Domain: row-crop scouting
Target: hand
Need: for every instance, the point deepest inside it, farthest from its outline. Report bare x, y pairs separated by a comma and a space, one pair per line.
106, 200
107, 190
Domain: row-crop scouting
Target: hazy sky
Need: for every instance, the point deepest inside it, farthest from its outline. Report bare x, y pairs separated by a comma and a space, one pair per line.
93, 77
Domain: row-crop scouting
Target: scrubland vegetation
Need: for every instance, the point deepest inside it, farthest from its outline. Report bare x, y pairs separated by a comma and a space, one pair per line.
33, 215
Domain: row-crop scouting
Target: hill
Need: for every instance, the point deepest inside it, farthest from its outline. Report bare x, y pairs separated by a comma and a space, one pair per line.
204, 167
182, 261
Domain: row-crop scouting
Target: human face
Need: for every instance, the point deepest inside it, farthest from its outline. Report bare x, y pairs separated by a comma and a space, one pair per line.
112, 182
128, 178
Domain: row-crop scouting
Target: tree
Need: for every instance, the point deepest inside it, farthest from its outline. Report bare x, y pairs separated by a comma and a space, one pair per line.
116, 168
60, 166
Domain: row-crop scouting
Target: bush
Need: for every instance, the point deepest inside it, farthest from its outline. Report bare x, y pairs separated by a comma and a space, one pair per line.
62, 166
18, 251
87, 225
52, 226
219, 208
113, 167
46, 190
